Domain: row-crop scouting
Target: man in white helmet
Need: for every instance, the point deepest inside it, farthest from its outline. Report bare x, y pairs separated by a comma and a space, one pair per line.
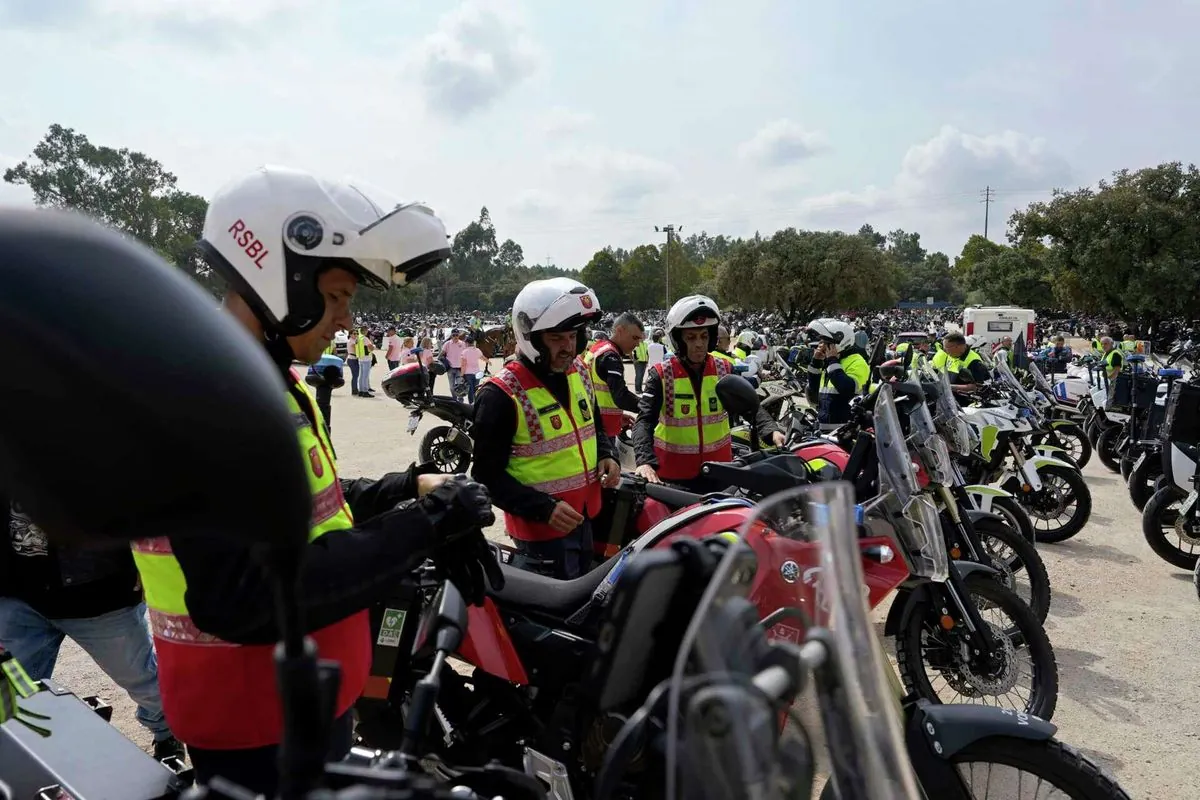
294, 249
538, 446
681, 422
838, 372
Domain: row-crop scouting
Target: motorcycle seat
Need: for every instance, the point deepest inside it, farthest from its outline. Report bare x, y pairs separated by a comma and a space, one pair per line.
1189, 450
454, 404
557, 598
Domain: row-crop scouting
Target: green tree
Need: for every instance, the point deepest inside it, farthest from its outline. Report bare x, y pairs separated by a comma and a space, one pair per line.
1130, 247
603, 275
642, 278
124, 189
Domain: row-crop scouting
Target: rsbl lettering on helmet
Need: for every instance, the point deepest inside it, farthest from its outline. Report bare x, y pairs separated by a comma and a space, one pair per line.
250, 244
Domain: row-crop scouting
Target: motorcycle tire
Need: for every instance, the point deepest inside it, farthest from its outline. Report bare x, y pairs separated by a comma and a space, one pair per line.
1078, 446
1015, 515
1024, 561
985, 592
1048, 760
1142, 480
1153, 515
1094, 430
1083, 505
1196, 578
437, 448
1106, 447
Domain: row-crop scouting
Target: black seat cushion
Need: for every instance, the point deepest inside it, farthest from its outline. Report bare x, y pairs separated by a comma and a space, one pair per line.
557, 598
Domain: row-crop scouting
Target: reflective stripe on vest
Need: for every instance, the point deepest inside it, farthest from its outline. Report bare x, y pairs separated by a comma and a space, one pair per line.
690, 430
723, 357
642, 351
610, 414
554, 449
221, 695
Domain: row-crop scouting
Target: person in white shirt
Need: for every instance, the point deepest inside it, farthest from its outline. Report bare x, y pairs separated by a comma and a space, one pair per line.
656, 351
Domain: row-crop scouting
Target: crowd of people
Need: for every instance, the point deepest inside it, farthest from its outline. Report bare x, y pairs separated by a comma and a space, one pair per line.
547, 423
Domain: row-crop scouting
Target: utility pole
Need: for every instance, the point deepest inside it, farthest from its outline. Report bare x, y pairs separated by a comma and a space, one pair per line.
549, 261
988, 194
670, 231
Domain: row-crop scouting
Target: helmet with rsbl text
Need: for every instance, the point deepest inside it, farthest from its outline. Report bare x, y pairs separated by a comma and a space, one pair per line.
553, 305
831, 331
272, 232
693, 311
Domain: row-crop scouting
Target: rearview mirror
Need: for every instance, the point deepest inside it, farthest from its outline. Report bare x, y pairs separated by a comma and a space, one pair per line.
437, 368
106, 432
737, 396
892, 372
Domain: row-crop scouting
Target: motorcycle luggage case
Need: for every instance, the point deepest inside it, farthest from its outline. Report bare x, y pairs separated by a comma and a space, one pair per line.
1129, 389
83, 758
1182, 422
611, 530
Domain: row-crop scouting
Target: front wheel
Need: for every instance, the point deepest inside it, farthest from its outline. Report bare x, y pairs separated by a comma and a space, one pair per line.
1106, 447
1072, 439
1021, 566
1014, 515
1173, 538
1004, 766
1061, 508
1142, 478
937, 664
438, 446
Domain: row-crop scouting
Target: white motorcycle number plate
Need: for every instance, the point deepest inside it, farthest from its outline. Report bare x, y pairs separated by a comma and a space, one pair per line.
413, 421
1140, 460
1188, 504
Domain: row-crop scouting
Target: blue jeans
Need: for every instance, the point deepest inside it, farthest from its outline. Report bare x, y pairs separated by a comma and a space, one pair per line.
472, 384
363, 382
454, 376
353, 364
119, 642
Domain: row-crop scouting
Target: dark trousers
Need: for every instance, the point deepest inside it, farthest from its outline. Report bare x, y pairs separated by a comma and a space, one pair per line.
639, 373
353, 364
570, 556
256, 769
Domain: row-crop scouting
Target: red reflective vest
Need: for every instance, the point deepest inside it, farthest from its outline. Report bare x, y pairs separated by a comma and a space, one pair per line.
223, 696
554, 449
612, 418
691, 429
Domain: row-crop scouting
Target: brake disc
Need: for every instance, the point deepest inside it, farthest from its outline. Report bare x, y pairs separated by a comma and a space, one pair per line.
1185, 530
994, 683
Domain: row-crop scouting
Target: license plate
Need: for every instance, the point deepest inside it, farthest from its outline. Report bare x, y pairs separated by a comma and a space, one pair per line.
1140, 460
1188, 504
413, 421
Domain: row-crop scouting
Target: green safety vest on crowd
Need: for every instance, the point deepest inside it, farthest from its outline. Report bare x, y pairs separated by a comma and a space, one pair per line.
954, 367
642, 351
1129, 347
360, 347
1112, 361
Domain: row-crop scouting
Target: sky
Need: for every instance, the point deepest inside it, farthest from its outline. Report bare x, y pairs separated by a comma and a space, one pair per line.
581, 125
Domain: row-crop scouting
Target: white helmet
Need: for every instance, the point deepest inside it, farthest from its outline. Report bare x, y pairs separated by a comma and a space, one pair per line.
748, 338
693, 311
552, 305
270, 233
834, 331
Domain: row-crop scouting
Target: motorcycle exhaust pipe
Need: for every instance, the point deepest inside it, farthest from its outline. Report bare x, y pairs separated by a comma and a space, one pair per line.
461, 440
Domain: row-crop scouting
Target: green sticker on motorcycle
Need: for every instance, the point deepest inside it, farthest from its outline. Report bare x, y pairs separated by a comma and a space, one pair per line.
987, 440
391, 627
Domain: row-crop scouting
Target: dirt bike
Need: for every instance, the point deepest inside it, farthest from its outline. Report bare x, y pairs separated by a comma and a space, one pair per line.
449, 447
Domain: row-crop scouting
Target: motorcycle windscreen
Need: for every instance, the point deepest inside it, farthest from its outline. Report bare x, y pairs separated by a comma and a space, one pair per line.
896, 470
818, 526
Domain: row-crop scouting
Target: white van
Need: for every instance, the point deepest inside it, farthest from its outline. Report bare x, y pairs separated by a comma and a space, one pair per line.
990, 324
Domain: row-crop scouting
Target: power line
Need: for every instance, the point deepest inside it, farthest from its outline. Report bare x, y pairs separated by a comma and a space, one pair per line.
988, 194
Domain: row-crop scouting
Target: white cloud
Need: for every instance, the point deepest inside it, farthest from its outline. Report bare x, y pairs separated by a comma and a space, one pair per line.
478, 53
782, 142
617, 179
564, 121
937, 188
535, 203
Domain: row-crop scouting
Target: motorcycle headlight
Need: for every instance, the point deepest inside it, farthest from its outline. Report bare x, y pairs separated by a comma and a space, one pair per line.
921, 534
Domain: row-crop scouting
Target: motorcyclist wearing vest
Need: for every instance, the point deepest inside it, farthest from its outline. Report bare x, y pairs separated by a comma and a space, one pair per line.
641, 354
681, 422
746, 342
538, 447
294, 249
722, 349
838, 372
1112, 358
606, 366
961, 363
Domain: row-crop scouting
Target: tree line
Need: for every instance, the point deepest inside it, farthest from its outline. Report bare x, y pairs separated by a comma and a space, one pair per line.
1126, 248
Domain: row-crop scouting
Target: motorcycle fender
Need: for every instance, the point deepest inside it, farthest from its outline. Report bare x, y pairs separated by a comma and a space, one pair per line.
1029, 473
951, 728
1049, 450
975, 516
1049, 461
987, 491
965, 568
1059, 423
903, 606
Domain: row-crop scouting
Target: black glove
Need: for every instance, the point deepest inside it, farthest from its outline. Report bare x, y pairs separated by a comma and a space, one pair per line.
458, 507
468, 563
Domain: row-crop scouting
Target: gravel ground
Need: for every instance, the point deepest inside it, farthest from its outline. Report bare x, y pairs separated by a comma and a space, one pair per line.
1122, 623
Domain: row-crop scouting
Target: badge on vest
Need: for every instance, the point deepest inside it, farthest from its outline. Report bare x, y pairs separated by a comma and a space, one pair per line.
686, 408
712, 405
586, 410
314, 458
556, 422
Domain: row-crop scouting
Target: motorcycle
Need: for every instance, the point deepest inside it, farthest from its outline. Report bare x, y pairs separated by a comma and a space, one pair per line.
1171, 519
448, 447
1048, 487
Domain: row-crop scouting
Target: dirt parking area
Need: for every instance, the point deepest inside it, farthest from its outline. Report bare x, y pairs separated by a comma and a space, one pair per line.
1123, 622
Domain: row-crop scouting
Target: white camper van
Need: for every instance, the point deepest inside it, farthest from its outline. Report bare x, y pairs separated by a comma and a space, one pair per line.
990, 324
